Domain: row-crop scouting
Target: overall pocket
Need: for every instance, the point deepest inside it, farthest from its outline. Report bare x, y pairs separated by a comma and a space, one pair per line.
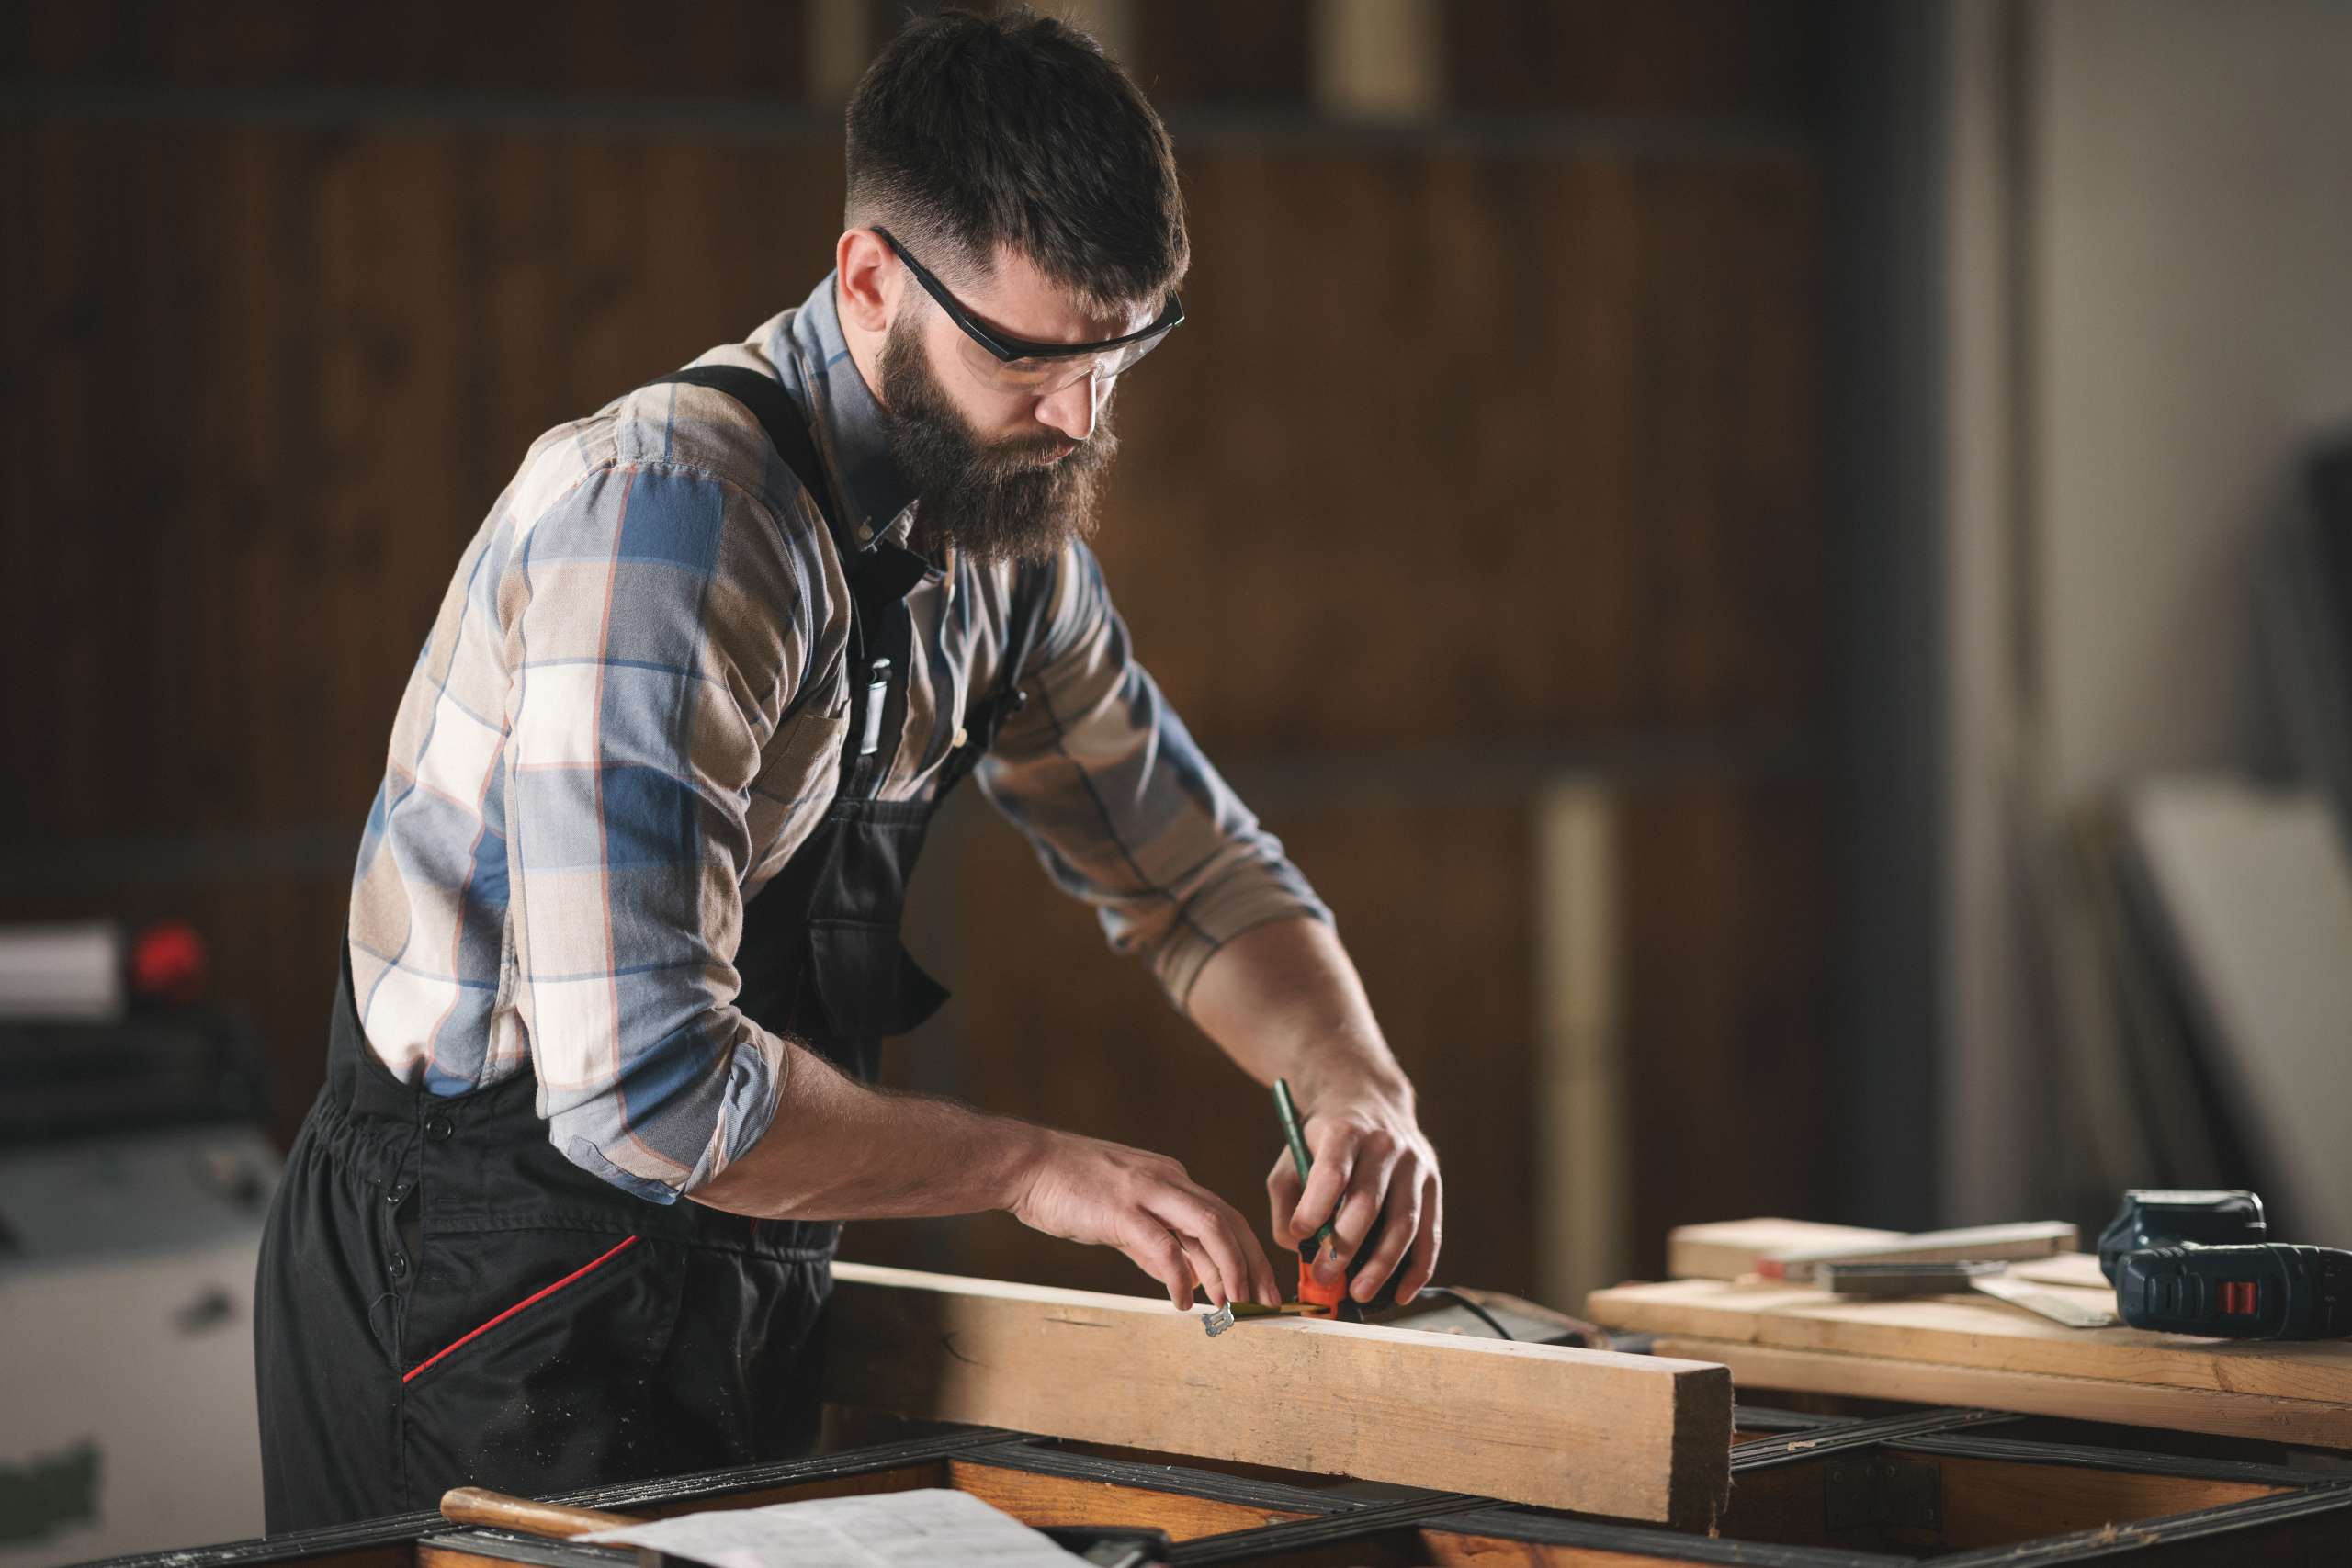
534, 1360
870, 984
554, 1316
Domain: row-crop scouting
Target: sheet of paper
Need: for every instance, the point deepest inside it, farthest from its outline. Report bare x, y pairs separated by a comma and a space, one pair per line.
889, 1528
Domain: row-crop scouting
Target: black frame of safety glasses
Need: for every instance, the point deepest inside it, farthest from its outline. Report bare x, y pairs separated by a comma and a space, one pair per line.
1008, 349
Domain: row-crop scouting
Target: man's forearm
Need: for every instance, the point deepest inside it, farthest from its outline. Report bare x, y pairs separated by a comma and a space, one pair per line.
838, 1150
1283, 1000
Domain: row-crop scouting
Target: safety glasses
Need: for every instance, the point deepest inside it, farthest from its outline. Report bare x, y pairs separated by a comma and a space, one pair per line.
1036, 369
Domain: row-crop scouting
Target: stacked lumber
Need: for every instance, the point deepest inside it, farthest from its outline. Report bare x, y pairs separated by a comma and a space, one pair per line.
1973, 1350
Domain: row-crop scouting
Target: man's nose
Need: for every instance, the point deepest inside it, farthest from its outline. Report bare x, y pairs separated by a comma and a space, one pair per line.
1071, 410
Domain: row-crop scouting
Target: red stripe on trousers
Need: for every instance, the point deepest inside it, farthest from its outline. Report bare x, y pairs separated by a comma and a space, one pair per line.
538, 1295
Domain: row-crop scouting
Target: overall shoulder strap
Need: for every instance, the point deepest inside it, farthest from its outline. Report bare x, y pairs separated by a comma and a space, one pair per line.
769, 403
787, 431
881, 571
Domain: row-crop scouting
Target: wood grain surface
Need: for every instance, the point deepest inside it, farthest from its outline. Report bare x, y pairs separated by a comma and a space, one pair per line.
1977, 1331
1636, 1436
2304, 1421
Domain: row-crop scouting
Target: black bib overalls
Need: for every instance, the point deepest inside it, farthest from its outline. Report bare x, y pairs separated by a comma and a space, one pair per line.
445, 1299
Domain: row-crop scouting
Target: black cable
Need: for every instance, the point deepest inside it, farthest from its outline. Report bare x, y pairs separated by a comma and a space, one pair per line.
1458, 1299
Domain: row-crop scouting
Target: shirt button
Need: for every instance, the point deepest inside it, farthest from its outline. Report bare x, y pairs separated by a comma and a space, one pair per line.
865, 532
398, 1263
961, 736
437, 1128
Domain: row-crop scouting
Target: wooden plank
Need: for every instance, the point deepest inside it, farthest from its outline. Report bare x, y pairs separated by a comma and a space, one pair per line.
1043, 1501
1634, 1437
1994, 1501
1984, 1500
1459, 1549
1977, 1331
2035, 1238
2305, 1421
1729, 1248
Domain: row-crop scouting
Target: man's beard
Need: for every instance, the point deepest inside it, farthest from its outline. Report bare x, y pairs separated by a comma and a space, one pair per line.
993, 500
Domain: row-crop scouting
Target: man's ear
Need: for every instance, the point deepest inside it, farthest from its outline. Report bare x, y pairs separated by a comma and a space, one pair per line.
870, 279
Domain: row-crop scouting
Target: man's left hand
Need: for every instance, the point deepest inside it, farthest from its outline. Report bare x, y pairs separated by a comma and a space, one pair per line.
1371, 1165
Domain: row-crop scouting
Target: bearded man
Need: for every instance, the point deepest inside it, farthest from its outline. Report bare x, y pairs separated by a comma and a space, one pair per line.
625, 925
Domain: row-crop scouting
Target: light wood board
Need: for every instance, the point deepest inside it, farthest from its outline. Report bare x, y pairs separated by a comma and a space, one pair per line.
2035, 1238
1976, 1331
2300, 1421
1731, 1250
1727, 1249
1634, 1437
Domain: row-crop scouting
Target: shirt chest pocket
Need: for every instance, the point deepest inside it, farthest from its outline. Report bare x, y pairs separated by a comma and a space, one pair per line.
799, 770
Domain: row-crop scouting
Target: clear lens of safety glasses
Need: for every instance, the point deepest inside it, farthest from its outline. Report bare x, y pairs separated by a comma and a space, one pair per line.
1045, 376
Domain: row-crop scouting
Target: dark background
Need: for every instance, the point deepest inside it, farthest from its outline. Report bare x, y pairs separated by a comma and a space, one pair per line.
1488, 487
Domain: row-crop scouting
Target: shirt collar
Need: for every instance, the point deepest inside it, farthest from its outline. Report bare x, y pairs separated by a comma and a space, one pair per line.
851, 426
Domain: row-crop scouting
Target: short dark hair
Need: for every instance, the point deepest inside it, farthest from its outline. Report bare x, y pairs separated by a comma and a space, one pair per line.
970, 131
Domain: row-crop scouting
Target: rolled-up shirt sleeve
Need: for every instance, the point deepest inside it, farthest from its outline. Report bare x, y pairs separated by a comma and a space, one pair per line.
655, 622
1120, 804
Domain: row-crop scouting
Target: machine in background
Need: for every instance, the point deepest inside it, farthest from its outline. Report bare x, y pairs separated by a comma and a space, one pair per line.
134, 1173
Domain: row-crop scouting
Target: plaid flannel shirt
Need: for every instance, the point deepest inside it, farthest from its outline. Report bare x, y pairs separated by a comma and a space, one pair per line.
630, 712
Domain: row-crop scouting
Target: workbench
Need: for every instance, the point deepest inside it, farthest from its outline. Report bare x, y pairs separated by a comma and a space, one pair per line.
1288, 1443
1958, 1488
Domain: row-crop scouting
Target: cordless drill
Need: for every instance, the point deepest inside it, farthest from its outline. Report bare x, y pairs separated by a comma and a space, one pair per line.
2200, 1262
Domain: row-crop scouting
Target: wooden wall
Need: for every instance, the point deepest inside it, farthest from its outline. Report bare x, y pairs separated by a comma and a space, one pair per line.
1489, 460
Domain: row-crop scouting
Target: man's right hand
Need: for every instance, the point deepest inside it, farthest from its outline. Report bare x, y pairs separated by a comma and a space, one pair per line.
838, 1150
1178, 1232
